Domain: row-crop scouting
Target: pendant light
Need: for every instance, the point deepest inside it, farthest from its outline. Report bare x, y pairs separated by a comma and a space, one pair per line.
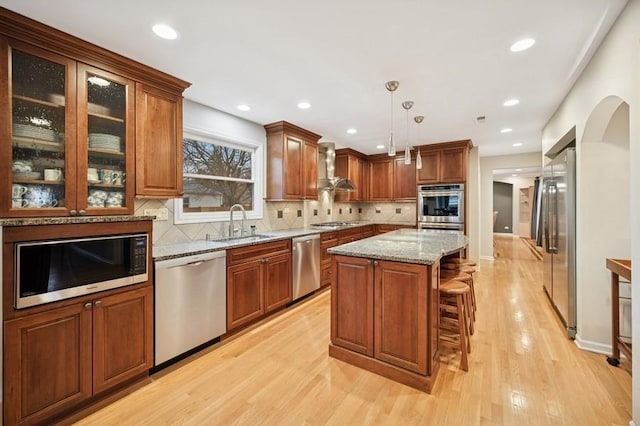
407, 152
418, 119
391, 87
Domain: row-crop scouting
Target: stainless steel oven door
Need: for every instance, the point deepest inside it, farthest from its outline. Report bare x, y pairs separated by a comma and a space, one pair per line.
441, 206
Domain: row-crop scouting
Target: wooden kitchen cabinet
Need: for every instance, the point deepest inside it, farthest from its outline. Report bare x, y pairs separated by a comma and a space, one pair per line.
444, 162
158, 143
385, 318
391, 179
69, 107
65, 355
258, 281
327, 240
383, 228
352, 165
292, 162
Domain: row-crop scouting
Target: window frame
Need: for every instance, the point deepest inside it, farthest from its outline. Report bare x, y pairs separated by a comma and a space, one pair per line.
257, 170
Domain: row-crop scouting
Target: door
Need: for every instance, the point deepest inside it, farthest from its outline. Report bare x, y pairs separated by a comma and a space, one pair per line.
122, 337
50, 359
244, 292
503, 204
310, 170
158, 143
277, 282
352, 304
401, 304
293, 164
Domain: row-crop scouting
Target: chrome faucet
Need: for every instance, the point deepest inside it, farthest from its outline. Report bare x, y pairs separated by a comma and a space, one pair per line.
232, 229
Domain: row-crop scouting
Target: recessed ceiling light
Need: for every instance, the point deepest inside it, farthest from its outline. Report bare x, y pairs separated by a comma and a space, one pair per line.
165, 31
511, 102
244, 107
304, 105
518, 170
523, 44
380, 146
514, 175
517, 144
352, 131
506, 130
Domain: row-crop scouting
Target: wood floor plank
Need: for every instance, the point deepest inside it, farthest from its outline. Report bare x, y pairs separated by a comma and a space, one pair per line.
522, 371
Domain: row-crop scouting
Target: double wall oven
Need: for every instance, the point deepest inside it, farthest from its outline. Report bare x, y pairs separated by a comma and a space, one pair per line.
441, 207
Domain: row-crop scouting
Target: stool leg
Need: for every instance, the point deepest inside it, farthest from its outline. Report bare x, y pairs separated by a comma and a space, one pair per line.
468, 312
462, 329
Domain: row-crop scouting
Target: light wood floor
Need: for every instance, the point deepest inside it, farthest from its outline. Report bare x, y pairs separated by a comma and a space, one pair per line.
522, 371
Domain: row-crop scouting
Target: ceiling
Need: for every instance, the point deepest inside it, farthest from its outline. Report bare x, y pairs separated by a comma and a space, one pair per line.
451, 58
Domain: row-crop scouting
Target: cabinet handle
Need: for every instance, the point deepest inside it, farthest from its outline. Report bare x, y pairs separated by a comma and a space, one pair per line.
73, 212
376, 263
82, 212
97, 303
265, 260
88, 305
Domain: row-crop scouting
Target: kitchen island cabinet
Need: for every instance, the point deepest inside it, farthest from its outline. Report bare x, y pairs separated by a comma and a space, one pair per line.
385, 303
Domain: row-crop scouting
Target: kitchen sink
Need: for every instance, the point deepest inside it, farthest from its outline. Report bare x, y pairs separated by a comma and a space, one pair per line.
243, 238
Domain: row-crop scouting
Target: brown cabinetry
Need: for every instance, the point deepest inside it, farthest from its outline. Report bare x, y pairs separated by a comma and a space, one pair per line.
158, 143
353, 234
444, 162
382, 228
292, 162
383, 318
64, 355
69, 111
327, 240
352, 165
391, 179
258, 281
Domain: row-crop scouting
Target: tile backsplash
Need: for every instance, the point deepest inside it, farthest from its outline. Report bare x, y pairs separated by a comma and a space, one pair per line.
278, 215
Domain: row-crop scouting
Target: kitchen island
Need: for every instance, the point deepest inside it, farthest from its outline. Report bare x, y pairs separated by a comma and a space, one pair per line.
385, 303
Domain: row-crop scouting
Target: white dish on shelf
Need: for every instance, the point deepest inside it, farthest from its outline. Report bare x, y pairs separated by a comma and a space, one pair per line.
27, 175
93, 181
98, 109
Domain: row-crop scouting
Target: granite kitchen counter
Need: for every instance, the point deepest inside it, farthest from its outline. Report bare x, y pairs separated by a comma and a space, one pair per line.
420, 246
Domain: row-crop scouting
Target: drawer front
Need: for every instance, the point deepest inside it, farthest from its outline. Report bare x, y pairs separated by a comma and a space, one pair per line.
325, 237
243, 254
325, 275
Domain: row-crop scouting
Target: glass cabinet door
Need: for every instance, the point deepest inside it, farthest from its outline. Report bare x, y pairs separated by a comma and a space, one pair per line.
41, 132
105, 119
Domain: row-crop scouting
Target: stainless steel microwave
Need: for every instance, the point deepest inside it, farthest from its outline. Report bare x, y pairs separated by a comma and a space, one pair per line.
48, 271
441, 204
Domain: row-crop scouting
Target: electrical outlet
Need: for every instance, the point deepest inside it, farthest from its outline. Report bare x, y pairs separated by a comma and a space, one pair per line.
160, 214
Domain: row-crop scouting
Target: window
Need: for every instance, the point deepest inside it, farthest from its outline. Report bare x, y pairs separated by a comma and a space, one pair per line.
218, 173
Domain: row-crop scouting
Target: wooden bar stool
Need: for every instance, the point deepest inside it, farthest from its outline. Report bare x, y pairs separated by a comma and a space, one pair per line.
454, 331
460, 261
450, 274
467, 270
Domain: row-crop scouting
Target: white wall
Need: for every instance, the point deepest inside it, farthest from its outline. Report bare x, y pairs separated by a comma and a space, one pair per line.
613, 71
474, 214
487, 165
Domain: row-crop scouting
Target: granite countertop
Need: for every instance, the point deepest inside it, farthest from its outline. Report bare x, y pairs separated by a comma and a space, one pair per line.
172, 251
405, 245
65, 220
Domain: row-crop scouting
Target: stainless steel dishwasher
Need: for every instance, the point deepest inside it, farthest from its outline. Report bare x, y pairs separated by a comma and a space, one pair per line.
306, 265
190, 301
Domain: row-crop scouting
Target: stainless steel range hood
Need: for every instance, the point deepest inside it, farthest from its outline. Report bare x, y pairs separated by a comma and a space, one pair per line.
326, 170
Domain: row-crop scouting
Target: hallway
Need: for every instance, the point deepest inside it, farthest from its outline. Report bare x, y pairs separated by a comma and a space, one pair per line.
522, 371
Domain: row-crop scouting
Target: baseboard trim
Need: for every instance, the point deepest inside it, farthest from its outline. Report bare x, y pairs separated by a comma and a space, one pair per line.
631, 423
489, 258
591, 346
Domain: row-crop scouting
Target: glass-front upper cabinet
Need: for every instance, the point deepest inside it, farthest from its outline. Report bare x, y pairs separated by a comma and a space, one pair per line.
105, 122
42, 99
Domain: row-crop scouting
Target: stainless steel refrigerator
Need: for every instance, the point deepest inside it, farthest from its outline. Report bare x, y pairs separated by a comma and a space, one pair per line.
558, 216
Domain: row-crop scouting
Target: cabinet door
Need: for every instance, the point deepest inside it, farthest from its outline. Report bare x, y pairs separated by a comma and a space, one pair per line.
401, 315
363, 180
453, 165
277, 282
47, 360
122, 337
244, 293
405, 180
310, 170
158, 143
381, 182
430, 171
38, 90
352, 304
106, 136
293, 162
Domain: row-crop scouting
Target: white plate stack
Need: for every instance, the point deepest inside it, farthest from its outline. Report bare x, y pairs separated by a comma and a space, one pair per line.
104, 141
33, 132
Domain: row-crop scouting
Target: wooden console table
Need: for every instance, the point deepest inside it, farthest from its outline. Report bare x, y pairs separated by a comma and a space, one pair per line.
619, 268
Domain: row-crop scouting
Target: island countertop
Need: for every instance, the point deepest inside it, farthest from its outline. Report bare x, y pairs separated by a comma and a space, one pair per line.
421, 246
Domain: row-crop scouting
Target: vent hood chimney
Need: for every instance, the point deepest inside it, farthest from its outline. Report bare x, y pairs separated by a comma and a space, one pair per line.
326, 170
